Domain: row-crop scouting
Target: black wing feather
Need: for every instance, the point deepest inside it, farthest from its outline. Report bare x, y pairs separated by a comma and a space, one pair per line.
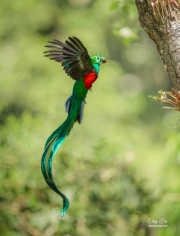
73, 56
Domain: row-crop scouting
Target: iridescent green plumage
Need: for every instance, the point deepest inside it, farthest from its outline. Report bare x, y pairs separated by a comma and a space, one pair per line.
79, 66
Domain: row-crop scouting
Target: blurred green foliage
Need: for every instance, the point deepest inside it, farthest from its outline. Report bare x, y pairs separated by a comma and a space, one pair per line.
121, 166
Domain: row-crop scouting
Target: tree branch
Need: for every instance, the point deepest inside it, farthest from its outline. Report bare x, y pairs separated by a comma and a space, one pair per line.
161, 20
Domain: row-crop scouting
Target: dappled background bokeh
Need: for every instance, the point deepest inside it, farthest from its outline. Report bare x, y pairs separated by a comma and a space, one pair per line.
121, 166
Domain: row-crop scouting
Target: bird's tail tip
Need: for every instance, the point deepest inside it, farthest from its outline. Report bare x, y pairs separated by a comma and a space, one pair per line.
65, 206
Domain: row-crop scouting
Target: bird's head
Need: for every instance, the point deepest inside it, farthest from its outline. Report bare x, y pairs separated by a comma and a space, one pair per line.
98, 60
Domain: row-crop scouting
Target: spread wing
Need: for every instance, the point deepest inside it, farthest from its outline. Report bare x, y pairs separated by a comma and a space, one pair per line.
73, 56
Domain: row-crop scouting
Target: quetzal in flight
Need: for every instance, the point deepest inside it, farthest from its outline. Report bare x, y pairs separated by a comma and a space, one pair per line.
84, 70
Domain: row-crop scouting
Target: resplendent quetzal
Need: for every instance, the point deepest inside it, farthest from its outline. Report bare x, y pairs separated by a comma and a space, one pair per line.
84, 70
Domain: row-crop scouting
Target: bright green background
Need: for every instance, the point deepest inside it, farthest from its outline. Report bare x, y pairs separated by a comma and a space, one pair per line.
121, 166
